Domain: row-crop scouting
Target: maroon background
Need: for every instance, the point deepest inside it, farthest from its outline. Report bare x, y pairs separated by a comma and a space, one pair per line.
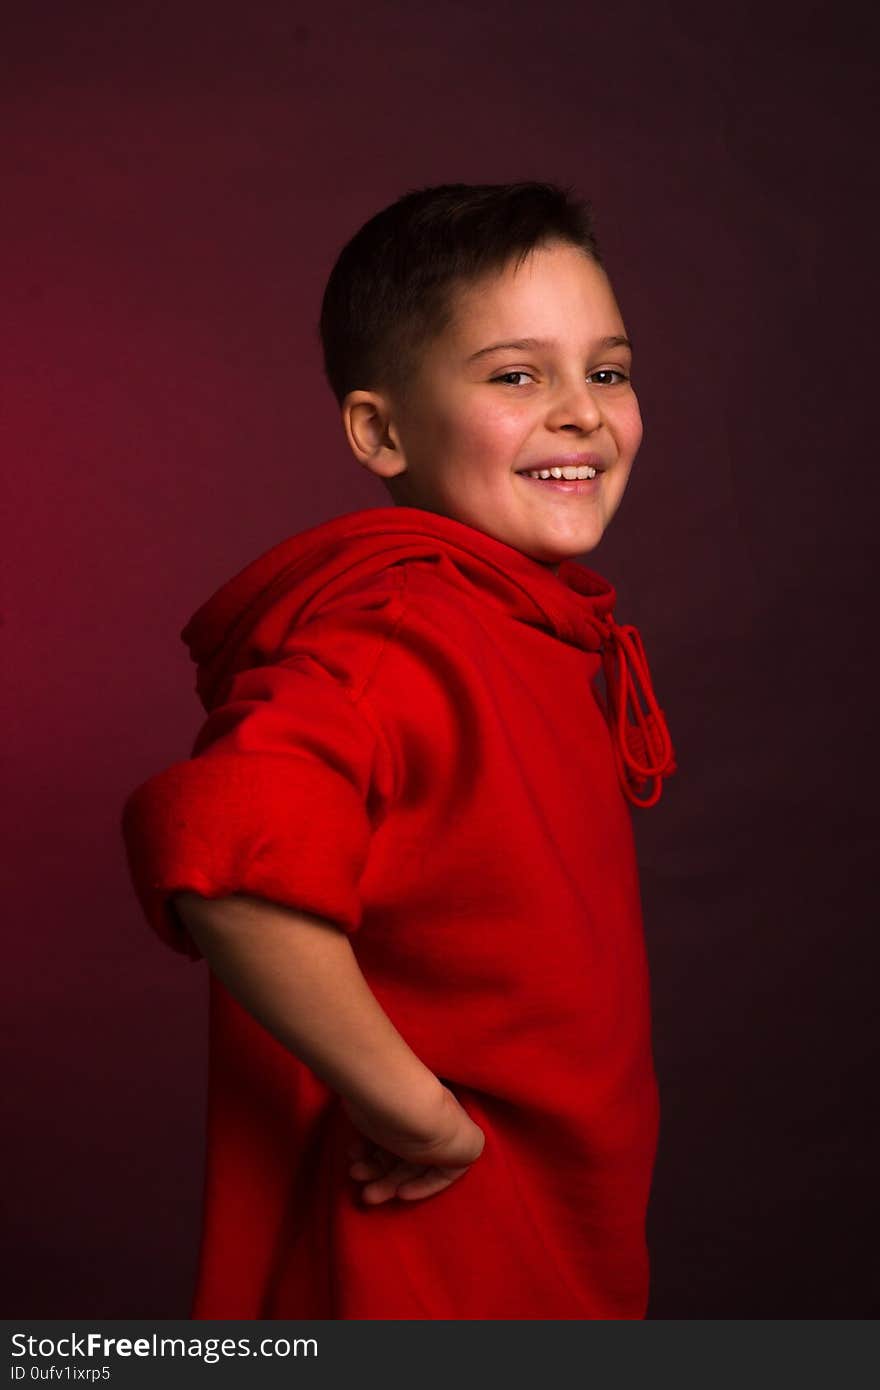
178, 180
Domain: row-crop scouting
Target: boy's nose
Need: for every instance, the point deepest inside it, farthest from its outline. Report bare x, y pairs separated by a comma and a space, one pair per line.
575, 406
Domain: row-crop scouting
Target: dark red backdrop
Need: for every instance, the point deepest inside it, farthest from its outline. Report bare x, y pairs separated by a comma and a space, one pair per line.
177, 182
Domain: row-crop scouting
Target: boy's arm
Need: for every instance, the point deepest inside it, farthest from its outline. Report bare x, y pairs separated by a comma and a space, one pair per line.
298, 975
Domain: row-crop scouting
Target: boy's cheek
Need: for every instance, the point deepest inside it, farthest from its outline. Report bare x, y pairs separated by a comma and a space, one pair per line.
632, 429
487, 427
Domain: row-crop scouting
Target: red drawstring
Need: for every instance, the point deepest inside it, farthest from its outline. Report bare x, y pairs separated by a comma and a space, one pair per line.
643, 749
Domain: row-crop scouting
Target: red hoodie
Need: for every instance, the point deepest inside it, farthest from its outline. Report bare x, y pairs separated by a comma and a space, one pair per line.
405, 736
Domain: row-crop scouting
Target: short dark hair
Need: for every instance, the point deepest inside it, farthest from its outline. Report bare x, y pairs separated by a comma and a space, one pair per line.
392, 287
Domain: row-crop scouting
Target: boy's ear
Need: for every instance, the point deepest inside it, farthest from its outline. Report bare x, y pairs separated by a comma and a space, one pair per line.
372, 434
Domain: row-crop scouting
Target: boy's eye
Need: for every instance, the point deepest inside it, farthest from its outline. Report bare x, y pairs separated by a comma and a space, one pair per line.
610, 371
506, 375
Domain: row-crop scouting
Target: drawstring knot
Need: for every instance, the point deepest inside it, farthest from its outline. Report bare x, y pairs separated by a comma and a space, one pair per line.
642, 748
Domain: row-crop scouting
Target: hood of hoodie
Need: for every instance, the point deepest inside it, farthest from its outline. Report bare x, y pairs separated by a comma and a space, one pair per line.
245, 622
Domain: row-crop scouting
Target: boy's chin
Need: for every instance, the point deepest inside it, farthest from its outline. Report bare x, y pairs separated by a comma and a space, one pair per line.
555, 552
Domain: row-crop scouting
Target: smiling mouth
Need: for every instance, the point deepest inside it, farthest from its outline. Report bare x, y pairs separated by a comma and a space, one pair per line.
569, 473
584, 483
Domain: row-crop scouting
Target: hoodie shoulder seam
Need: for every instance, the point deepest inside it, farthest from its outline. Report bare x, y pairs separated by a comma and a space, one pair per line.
359, 692
358, 695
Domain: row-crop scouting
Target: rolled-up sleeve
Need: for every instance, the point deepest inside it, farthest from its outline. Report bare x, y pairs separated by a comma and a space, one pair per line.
286, 782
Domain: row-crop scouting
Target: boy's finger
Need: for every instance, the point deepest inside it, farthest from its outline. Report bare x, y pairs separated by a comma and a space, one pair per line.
363, 1169
361, 1151
365, 1148
372, 1162
386, 1186
426, 1184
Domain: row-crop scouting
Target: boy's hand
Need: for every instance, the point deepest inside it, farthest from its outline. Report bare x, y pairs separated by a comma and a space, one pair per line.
412, 1166
297, 974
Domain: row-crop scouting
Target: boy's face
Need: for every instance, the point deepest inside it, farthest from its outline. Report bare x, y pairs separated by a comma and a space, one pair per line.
474, 421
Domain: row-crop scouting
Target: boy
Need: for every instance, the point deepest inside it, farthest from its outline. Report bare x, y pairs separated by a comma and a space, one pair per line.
403, 840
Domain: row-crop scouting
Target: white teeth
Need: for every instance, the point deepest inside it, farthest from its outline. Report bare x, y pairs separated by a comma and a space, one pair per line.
568, 472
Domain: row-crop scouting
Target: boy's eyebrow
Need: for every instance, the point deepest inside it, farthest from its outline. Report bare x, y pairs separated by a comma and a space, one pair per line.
614, 340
